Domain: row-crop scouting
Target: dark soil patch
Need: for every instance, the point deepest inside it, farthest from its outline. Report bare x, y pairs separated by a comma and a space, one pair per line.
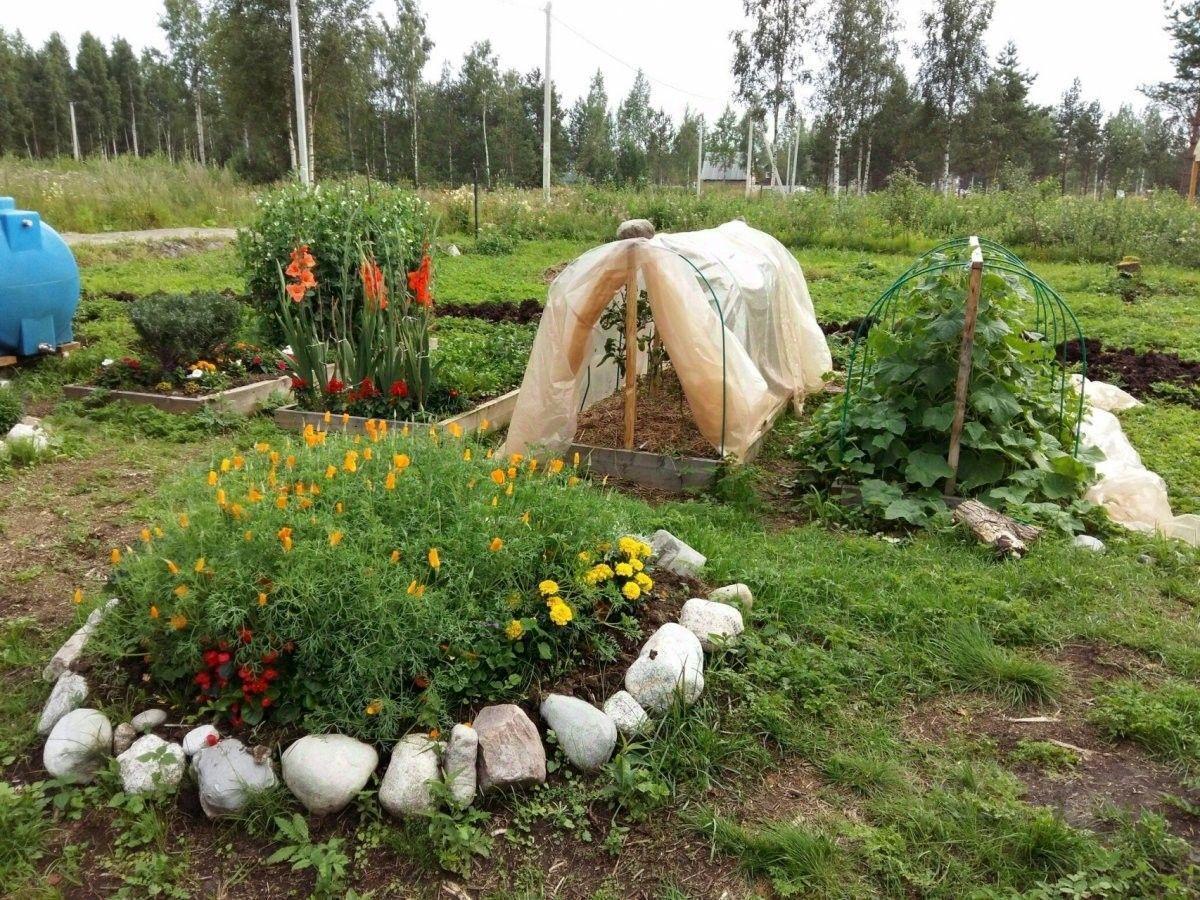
522, 312
664, 421
552, 272
850, 326
1139, 372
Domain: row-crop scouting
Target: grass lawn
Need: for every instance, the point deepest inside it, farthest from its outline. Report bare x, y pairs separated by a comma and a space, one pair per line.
905, 716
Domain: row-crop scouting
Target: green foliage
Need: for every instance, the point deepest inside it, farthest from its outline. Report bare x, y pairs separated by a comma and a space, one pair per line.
11, 408
633, 786
481, 359
23, 828
1017, 432
798, 860
327, 859
456, 834
180, 330
975, 662
493, 242
1044, 755
1163, 719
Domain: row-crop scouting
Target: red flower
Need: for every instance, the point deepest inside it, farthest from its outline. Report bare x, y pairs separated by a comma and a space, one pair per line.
256, 361
264, 702
223, 657
298, 383
270, 674
335, 386
399, 389
245, 635
418, 283
211, 740
296, 291
203, 679
270, 656
453, 393
280, 365
211, 659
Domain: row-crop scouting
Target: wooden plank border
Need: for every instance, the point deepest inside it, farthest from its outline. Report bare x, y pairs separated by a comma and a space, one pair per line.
497, 411
244, 399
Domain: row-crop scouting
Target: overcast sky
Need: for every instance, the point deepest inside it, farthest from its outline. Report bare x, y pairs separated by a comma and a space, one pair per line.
1113, 46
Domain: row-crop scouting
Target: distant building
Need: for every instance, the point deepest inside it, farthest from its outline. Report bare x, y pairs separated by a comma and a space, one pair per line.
714, 174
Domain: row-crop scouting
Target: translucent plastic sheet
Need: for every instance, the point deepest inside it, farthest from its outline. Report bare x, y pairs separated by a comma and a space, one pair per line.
735, 366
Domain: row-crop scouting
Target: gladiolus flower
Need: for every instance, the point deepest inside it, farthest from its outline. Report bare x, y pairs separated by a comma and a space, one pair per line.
374, 286
296, 291
496, 545
399, 390
435, 560
418, 283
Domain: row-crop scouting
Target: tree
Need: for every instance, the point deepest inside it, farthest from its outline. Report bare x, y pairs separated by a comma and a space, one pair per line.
1066, 121
591, 130
187, 28
633, 131
1182, 94
1007, 131
406, 49
95, 95
127, 80
953, 62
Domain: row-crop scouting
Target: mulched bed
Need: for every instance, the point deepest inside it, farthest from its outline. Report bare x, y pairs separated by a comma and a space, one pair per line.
664, 421
522, 312
1138, 372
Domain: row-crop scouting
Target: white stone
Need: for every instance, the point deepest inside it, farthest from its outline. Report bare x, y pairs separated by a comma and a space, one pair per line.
715, 624
227, 775
123, 737
197, 739
458, 764
673, 554
78, 745
627, 714
586, 735
1087, 542
70, 651
510, 748
326, 771
68, 694
406, 788
635, 228
453, 250
34, 434
151, 764
148, 720
670, 665
734, 593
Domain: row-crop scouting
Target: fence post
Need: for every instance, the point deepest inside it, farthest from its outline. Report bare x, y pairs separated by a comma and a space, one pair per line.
970, 316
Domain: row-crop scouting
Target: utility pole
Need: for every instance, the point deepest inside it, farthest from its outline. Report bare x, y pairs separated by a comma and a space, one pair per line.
1191, 184
74, 130
749, 151
546, 125
298, 76
700, 156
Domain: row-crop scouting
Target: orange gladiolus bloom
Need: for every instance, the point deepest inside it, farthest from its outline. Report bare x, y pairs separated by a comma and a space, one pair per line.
296, 291
418, 283
374, 286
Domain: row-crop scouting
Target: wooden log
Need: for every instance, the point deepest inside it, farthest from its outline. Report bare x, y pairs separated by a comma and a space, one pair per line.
631, 305
970, 316
1005, 535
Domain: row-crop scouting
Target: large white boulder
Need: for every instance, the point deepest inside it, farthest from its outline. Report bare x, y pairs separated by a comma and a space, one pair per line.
151, 764
228, 775
670, 665
459, 764
407, 785
68, 694
29, 432
674, 555
200, 737
713, 623
78, 745
510, 749
326, 771
586, 735
1087, 542
627, 714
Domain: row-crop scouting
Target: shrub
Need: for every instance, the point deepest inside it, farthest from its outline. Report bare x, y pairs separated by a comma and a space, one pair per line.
493, 242
178, 329
365, 586
338, 222
11, 409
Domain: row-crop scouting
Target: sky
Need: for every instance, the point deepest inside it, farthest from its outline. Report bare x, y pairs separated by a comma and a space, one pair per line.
1112, 46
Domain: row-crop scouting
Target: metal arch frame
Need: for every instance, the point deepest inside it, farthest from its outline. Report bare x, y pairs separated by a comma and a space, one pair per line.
1052, 312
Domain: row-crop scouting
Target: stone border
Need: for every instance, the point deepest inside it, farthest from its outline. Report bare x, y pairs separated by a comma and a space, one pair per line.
244, 399
502, 748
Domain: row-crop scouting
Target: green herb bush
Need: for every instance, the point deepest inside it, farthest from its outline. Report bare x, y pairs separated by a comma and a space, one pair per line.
338, 222
477, 358
177, 330
1016, 446
11, 409
366, 585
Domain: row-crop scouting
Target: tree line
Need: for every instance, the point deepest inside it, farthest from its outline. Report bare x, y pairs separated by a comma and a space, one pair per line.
221, 93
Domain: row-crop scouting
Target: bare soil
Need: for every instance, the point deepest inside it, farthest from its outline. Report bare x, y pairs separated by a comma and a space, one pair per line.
1139, 372
664, 421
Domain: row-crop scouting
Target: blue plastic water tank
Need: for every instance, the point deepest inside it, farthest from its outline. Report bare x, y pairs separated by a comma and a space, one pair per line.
39, 283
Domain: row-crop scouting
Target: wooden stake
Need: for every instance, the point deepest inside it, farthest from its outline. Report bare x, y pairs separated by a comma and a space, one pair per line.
1195, 178
970, 316
631, 305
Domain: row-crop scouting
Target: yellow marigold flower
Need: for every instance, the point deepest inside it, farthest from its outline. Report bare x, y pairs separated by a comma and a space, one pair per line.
181, 590
301, 487
226, 465
498, 476
77, 597
237, 510
467, 455
145, 535
533, 464
637, 564
374, 707
310, 439
554, 466
496, 545
330, 471
305, 503
645, 582
273, 457
584, 556
435, 561
184, 521
262, 598
248, 536
401, 461
395, 557
514, 630
572, 481
212, 478
281, 502
200, 564
171, 567
335, 538
561, 614
548, 587
254, 495
290, 462
153, 611
179, 621
262, 446
628, 545
114, 556
623, 569
514, 459
239, 462
631, 590
645, 549
328, 417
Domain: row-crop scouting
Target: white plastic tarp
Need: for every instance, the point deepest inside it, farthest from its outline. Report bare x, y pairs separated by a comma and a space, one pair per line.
736, 366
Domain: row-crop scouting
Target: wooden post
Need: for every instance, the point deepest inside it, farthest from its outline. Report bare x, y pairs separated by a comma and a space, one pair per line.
631, 305
1195, 175
970, 315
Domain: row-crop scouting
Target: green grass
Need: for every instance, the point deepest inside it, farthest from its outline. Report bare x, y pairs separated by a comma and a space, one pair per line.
974, 661
1167, 435
1164, 719
473, 277
144, 268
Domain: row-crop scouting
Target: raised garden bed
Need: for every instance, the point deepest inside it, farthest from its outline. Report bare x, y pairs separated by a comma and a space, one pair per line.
242, 399
497, 412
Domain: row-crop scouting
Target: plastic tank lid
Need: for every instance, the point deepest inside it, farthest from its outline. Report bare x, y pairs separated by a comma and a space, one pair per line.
8, 203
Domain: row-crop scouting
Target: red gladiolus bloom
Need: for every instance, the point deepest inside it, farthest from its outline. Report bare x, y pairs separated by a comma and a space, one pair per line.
418, 283
367, 388
399, 389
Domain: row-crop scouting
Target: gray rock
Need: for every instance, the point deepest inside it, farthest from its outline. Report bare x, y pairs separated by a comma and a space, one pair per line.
197, 739
68, 694
326, 771
670, 665
737, 594
406, 789
586, 735
510, 749
123, 737
70, 651
715, 624
1145, 559
227, 775
31, 432
673, 554
459, 764
626, 713
635, 228
151, 764
78, 745
148, 720
1087, 542
452, 250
